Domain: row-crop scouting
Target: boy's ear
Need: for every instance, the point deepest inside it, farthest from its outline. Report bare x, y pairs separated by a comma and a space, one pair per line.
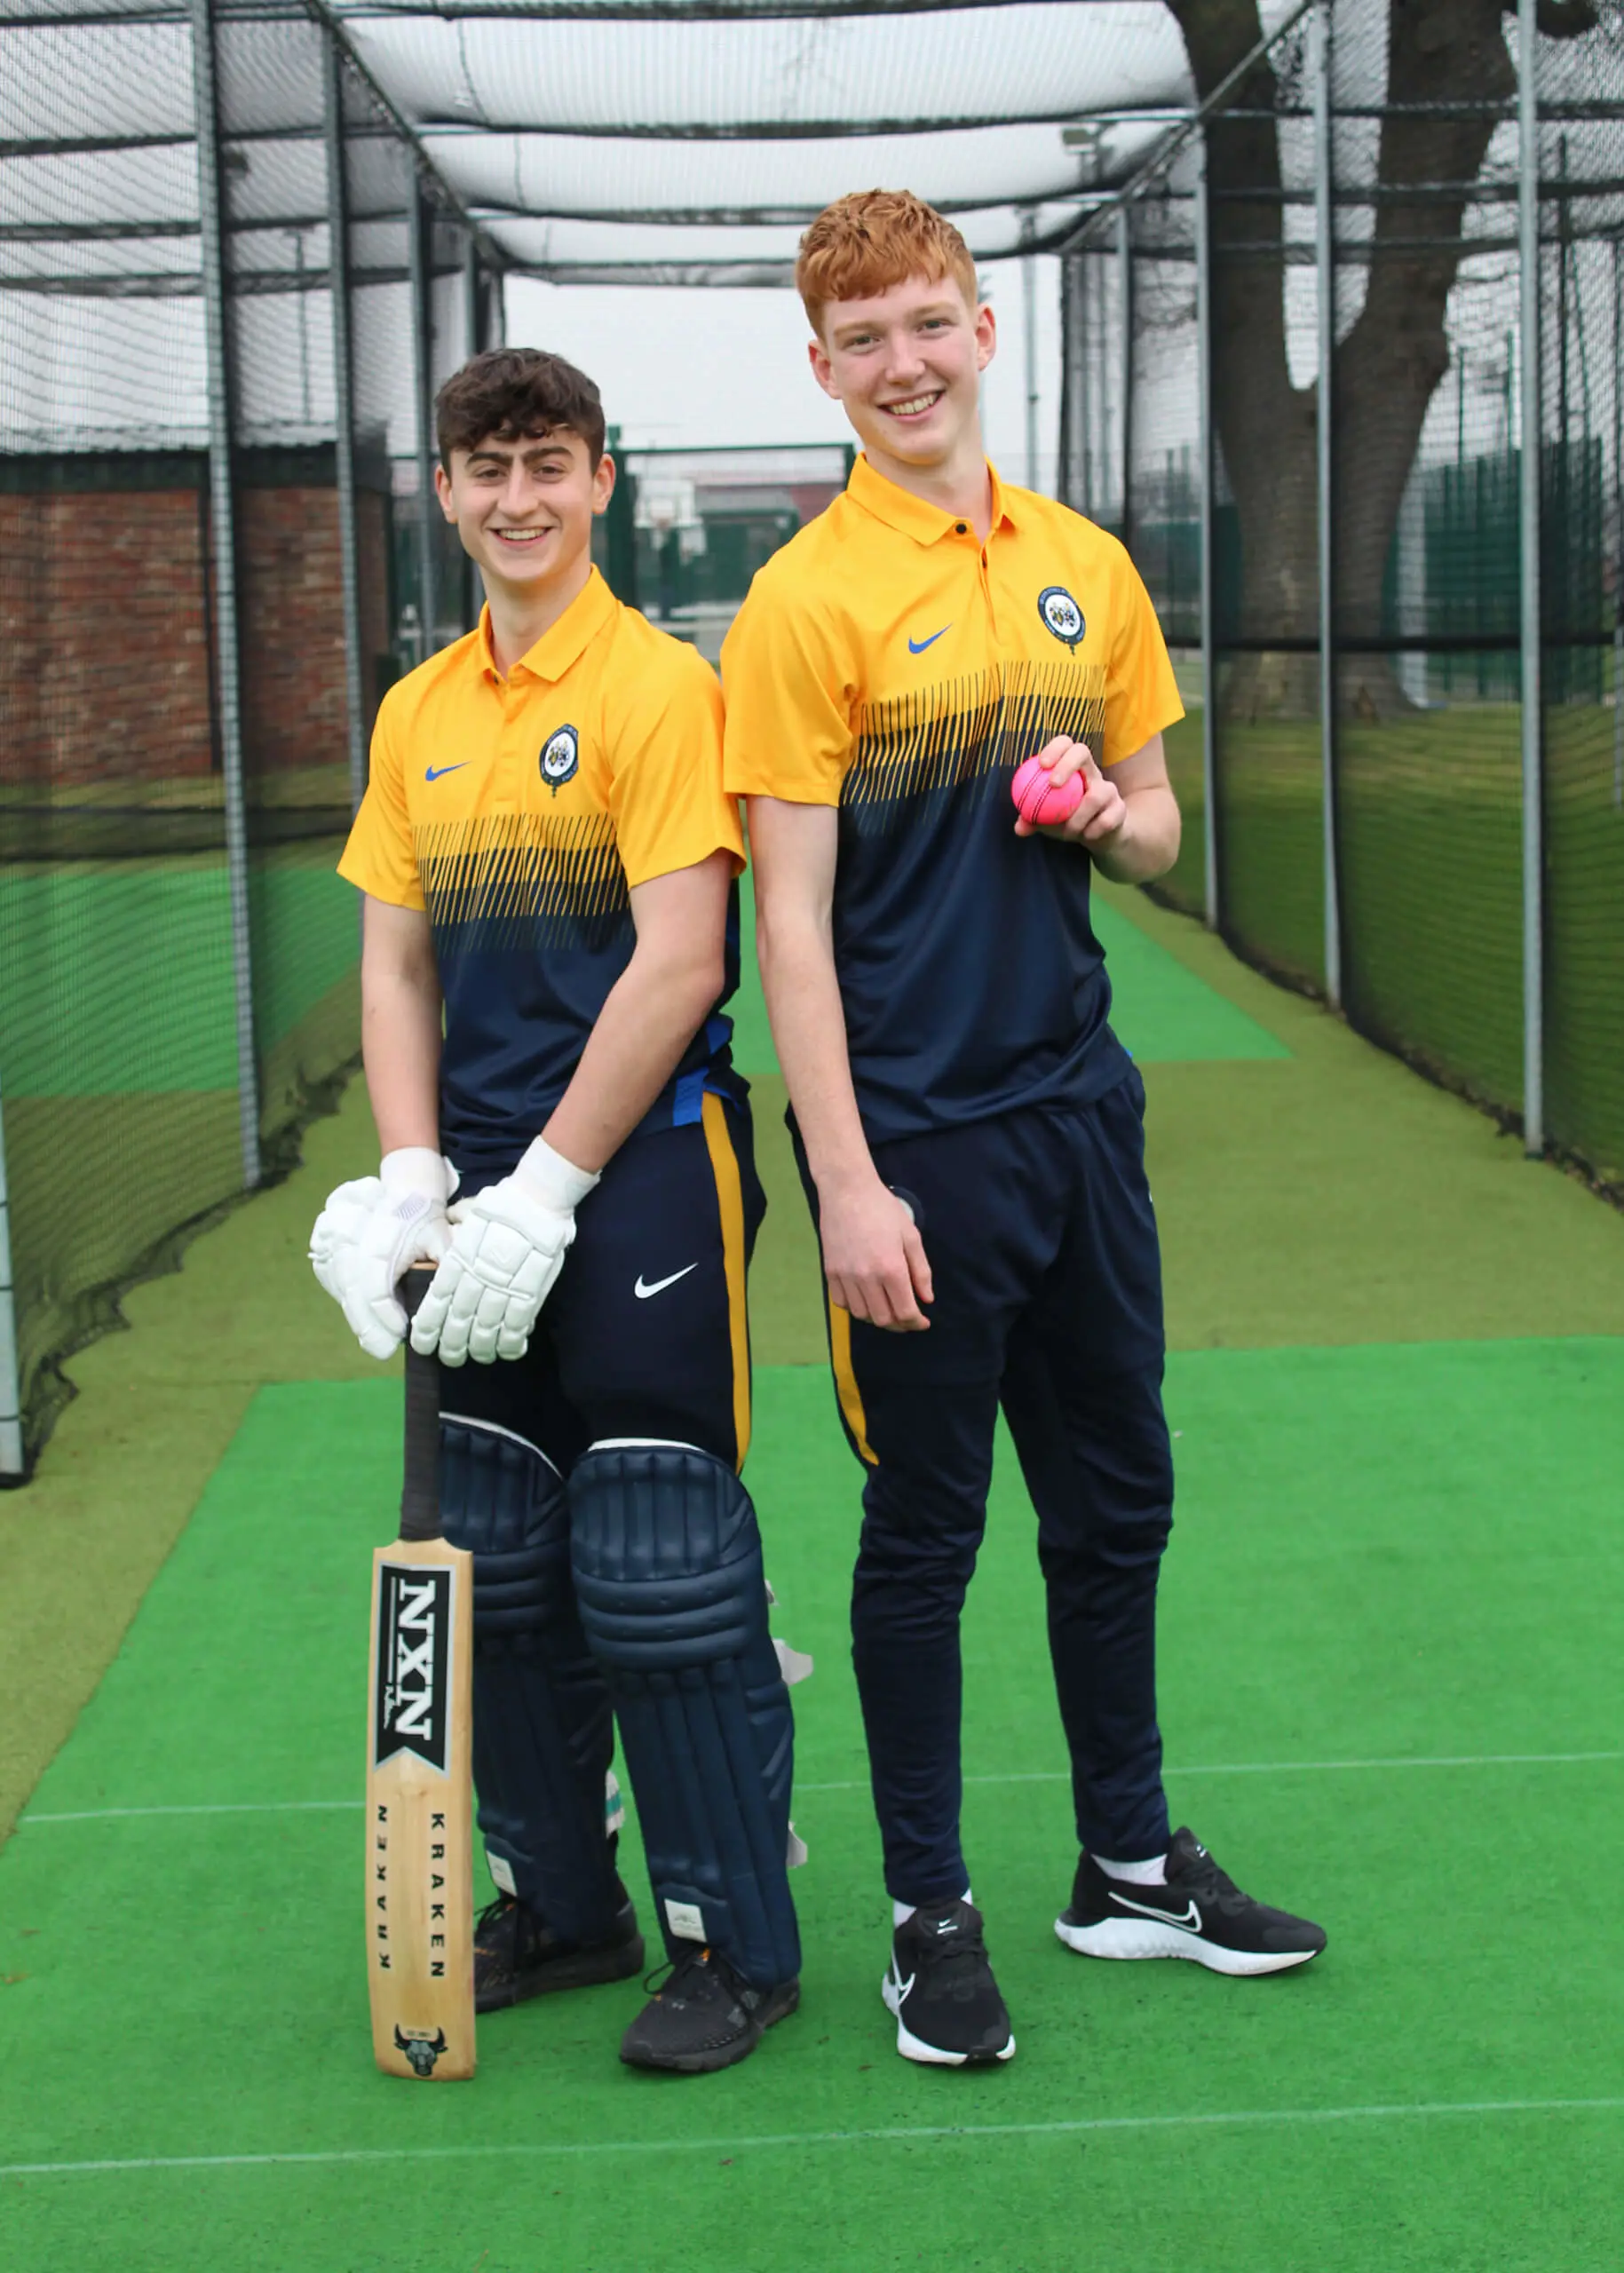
443, 490
822, 369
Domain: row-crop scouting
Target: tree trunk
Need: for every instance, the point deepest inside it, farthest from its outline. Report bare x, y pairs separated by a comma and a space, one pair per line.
1390, 364
1265, 427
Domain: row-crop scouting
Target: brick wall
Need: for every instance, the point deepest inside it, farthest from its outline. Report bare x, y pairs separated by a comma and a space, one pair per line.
103, 637
105, 630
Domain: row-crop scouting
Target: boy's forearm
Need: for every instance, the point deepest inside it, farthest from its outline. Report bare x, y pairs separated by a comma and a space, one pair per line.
1147, 845
651, 1015
400, 1042
809, 1031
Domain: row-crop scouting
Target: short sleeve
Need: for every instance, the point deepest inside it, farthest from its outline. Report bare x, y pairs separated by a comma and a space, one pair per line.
665, 762
1142, 698
380, 856
788, 702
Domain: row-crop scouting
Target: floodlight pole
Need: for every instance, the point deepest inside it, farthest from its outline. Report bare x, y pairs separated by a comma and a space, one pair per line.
1124, 255
223, 529
1065, 486
10, 1396
474, 344
1325, 277
1079, 353
419, 256
473, 330
1029, 324
1534, 848
343, 413
1207, 472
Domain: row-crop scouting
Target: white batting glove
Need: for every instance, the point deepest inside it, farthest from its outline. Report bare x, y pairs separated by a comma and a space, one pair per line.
507, 1248
373, 1230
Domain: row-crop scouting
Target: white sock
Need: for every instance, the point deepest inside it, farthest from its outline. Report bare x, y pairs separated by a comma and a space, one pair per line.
1152, 1872
901, 1911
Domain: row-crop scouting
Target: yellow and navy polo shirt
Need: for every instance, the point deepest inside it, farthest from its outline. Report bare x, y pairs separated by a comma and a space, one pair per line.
520, 811
889, 663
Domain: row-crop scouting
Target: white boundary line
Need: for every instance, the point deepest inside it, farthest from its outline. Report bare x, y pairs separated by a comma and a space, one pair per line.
1042, 1776
900, 2134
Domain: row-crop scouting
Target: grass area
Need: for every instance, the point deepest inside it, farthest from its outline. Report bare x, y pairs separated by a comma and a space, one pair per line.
189, 1986
1430, 853
117, 976
1325, 1197
118, 1050
1355, 1578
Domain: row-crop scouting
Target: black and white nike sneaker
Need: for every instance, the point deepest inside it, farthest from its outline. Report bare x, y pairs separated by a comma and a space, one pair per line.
1199, 1913
516, 1955
940, 1987
704, 2016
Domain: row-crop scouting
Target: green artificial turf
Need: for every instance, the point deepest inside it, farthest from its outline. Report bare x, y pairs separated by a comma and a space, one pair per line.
1430, 860
117, 976
1162, 1012
1325, 1197
1381, 1556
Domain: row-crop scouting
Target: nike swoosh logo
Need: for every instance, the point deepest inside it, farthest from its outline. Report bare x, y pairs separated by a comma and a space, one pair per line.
903, 1988
918, 647
660, 1285
1190, 1921
435, 771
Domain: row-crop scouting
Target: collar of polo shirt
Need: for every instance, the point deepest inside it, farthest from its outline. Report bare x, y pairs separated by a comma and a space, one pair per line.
563, 642
913, 516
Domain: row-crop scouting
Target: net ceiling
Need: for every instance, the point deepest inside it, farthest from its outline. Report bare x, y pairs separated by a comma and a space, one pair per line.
632, 140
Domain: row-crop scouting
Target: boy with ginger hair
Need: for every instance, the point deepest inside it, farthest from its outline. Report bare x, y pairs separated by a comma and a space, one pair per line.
969, 1130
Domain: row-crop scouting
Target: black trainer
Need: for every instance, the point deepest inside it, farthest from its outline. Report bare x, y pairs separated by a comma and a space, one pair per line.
704, 2016
940, 1987
517, 1954
1199, 1913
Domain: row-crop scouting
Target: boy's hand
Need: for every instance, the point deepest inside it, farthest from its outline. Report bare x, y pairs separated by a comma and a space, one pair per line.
506, 1250
873, 1257
1099, 821
372, 1230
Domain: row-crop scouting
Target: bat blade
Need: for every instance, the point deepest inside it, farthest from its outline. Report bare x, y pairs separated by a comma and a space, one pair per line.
419, 1812
419, 1765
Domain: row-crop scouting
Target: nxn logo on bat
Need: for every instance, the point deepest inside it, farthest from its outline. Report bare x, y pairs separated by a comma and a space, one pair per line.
414, 1663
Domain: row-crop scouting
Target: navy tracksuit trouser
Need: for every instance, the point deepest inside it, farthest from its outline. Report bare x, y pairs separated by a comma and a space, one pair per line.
1042, 1246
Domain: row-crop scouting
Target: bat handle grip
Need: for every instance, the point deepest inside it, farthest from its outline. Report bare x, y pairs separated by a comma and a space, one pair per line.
420, 1484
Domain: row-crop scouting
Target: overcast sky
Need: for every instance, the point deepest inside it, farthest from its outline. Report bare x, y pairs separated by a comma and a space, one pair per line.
678, 368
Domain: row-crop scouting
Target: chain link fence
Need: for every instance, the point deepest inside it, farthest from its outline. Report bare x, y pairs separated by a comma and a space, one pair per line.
219, 342
1367, 442
234, 268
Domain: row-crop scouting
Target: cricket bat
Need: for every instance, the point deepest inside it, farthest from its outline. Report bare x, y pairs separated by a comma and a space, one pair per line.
419, 1780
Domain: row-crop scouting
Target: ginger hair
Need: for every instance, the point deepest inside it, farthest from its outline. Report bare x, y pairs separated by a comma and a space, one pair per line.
864, 243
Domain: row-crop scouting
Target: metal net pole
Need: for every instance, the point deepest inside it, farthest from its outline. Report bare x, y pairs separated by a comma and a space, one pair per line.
1205, 474
223, 528
419, 252
343, 413
1534, 850
11, 1395
1124, 255
1324, 278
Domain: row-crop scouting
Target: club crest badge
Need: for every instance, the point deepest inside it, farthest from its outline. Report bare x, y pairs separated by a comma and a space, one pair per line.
1061, 615
560, 757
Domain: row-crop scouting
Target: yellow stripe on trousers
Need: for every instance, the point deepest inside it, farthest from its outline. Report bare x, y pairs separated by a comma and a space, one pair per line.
729, 1203
845, 1381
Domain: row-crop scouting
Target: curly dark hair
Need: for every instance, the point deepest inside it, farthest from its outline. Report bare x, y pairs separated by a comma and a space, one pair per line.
511, 394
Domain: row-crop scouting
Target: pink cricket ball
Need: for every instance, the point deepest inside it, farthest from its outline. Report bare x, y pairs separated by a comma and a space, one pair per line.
1037, 801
